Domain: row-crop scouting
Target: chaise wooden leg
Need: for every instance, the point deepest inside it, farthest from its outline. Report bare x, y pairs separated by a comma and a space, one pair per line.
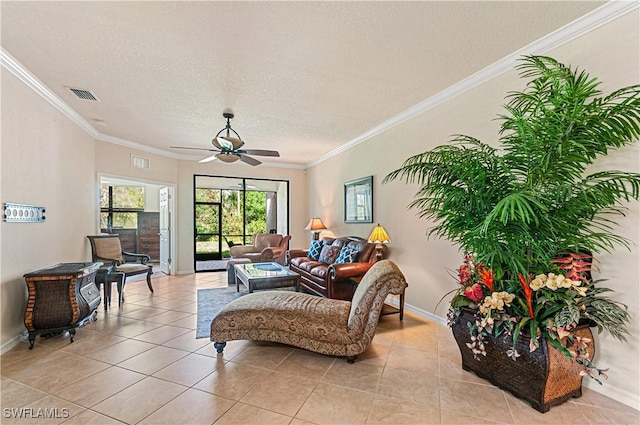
219, 346
351, 359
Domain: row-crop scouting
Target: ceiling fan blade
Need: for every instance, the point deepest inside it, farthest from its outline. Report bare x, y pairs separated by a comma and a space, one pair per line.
249, 160
259, 152
209, 158
195, 149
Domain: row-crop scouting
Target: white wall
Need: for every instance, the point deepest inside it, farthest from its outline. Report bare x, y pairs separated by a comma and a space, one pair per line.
48, 161
612, 54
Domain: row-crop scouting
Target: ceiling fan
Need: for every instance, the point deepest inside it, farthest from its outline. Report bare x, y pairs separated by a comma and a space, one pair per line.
227, 148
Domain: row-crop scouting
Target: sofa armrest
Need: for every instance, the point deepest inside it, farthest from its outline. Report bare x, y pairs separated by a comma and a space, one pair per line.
267, 254
348, 270
239, 250
293, 253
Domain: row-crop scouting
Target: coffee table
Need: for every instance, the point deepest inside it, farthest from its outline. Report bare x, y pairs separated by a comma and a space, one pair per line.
265, 276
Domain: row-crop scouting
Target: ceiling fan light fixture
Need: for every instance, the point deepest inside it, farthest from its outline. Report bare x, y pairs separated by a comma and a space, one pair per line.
228, 158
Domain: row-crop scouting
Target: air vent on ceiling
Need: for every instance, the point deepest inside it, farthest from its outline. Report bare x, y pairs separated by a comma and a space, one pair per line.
83, 94
140, 162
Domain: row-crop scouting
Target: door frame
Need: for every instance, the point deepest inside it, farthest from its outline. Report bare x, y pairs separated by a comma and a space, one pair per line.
172, 205
243, 190
195, 232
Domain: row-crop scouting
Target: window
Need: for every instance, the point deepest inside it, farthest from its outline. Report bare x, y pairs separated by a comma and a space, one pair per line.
119, 206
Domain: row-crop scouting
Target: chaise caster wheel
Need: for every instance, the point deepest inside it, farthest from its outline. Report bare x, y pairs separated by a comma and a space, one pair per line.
219, 346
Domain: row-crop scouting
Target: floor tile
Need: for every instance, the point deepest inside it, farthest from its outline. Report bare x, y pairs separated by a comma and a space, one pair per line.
187, 342
233, 380
358, 376
331, 404
265, 356
89, 417
121, 351
153, 360
192, 407
415, 360
162, 334
100, 386
243, 414
135, 328
387, 410
462, 397
15, 394
189, 370
281, 393
46, 410
306, 364
168, 317
416, 387
139, 400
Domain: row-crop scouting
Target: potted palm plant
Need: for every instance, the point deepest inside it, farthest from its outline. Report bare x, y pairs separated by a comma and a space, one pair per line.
529, 217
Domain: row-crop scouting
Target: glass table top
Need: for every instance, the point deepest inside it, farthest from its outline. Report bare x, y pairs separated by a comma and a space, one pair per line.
260, 270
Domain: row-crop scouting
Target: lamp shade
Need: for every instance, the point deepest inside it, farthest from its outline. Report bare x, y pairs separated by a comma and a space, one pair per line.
315, 224
379, 235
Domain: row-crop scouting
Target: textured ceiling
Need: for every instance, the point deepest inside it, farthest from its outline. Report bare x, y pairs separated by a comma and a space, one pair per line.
303, 78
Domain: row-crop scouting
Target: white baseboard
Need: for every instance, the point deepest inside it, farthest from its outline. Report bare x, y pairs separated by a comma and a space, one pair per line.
11, 344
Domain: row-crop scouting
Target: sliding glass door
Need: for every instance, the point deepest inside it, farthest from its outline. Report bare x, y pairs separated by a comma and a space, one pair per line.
230, 211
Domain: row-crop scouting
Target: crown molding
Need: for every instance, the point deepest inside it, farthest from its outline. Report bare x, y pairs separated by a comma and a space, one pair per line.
581, 26
12, 65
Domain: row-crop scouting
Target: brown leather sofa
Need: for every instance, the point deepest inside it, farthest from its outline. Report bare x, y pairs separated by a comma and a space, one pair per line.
333, 280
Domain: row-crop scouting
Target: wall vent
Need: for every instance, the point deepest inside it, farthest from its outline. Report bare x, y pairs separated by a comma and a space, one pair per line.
140, 162
83, 94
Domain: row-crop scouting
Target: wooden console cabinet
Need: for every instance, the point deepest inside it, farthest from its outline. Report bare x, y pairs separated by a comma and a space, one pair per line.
61, 297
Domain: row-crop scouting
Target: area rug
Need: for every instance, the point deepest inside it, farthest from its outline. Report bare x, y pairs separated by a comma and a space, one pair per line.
210, 302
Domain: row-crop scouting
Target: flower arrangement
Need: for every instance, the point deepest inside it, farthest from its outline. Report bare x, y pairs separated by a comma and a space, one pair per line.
522, 201
547, 306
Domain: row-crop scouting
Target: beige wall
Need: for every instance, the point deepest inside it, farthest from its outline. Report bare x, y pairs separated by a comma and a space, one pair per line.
49, 161
298, 216
611, 53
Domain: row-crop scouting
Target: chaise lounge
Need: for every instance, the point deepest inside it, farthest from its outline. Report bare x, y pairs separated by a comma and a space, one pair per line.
323, 325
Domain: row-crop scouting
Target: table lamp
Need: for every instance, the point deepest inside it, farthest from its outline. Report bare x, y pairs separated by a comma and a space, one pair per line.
379, 236
316, 226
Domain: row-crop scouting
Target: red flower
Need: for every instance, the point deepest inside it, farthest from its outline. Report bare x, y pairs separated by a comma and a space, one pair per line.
474, 293
486, 277
464, 274
527, 293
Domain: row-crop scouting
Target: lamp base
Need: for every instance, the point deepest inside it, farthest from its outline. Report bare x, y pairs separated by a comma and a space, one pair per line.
316, 236
379, 249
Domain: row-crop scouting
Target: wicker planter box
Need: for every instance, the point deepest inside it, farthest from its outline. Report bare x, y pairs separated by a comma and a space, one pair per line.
544, 377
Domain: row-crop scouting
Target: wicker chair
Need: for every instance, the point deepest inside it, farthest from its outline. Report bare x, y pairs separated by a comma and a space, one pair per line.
107, 248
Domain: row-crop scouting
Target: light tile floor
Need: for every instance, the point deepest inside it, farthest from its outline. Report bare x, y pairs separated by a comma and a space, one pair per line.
141, 364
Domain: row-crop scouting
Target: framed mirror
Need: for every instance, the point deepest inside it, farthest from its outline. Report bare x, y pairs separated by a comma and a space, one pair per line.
358, 200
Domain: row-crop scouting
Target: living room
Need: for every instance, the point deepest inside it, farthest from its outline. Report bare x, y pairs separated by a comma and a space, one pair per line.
49, 159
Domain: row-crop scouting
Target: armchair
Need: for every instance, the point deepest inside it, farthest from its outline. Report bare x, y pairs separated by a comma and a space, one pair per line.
107, 248
266, 247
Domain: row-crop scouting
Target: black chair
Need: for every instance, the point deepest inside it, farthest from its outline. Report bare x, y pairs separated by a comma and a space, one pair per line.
107, 248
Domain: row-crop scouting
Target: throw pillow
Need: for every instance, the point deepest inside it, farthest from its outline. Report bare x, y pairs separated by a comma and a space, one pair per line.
329, 254
314, 250
347, 255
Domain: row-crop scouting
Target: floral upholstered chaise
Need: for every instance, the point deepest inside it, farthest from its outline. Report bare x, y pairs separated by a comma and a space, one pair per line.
323, 325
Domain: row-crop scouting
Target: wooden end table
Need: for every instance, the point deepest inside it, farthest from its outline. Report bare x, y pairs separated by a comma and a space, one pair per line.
386, 308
